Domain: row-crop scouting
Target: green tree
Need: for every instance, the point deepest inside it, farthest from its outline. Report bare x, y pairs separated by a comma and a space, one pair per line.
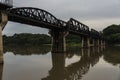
35, 39
27, 39
112, 34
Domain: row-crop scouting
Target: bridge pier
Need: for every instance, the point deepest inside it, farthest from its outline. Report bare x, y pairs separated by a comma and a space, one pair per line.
97, 43
89, 42
1, 71
85, 42
3, 22
92, 44
102, 43
58, 41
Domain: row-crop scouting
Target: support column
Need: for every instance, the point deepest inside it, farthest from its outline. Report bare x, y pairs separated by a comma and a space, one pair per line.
101, 48
1, 71
3, 22
85, 42
93, 49
82, 45
58, 41
98, 49
1, 46
101, 43
88, 42
93, 43
98, 42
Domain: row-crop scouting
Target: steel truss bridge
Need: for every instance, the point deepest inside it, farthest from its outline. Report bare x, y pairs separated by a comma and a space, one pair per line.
41, 18
59, 29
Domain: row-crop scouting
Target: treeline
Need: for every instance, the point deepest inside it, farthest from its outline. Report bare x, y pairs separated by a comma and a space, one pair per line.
26, 39
35, 39
112, 34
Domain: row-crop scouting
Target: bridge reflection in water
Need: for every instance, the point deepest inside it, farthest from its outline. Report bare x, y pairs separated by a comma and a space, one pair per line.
74, 71
1, 71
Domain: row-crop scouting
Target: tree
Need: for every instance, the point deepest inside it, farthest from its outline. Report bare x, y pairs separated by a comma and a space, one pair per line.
112, 34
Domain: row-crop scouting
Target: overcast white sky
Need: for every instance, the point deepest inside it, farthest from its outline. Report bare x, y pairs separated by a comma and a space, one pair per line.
97, 14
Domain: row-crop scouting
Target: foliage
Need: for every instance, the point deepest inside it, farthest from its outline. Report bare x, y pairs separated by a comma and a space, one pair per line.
35, 39
112, 55
113, 29
26, 39
112, 34
73, 39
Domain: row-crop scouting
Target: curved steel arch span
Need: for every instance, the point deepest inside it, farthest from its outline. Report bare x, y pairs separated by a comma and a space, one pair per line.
35, 17
78, 27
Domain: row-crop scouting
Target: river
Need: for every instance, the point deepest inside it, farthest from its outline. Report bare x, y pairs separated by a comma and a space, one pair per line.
38, 63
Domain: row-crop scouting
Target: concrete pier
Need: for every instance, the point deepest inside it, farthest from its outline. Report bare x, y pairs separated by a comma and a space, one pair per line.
92, 42
1, 71
88, 42
3, 22
85, 42
58, 41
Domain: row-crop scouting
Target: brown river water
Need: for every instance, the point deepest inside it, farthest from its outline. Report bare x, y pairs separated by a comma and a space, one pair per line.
38, 63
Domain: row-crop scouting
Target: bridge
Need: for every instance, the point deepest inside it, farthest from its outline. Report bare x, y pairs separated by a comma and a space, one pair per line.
59, 29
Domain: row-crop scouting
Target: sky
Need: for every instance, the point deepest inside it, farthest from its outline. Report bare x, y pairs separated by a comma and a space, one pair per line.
97, 14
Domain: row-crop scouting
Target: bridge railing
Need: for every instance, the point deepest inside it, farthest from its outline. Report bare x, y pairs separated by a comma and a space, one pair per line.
7, 2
